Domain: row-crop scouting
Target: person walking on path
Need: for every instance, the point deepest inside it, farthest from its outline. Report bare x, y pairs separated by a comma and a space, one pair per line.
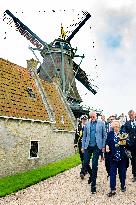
93, 142
106, 155
102, 155
130, 128
116, 145
78, 141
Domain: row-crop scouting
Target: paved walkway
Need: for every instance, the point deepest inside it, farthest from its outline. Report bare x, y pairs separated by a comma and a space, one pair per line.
68, 189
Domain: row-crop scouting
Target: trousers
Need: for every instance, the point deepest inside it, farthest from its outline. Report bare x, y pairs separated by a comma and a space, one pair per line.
93, 152
121, 166
81, 157
133, 162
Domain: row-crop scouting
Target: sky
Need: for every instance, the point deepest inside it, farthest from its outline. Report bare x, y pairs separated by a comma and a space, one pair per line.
107, 40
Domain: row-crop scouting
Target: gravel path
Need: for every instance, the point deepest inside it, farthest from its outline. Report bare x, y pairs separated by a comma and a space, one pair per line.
68, 189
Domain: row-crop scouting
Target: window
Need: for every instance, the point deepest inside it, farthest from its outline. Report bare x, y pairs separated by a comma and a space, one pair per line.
34, 148
31, 93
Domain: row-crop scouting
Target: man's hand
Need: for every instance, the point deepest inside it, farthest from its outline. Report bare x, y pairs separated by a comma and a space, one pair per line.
75, 145
76, 149
82, 150
103, 149
107, 148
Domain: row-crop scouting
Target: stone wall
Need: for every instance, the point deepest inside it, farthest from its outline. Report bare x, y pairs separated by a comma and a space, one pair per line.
15, 138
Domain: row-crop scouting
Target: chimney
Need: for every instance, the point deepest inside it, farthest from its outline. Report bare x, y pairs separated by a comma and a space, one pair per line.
32, 64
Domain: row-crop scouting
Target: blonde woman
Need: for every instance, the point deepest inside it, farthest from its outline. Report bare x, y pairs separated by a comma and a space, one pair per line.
115, 146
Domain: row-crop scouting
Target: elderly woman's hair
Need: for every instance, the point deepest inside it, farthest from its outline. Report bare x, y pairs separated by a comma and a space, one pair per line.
130, 111
114, 122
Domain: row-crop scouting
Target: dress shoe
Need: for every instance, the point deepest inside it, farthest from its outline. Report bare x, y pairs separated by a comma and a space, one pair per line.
93, 190
111, 193
85, 172
89, 180
123, 189
81, 176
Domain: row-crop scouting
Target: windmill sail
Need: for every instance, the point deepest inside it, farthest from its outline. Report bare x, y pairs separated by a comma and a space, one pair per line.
24, 30
82, 77
87, 16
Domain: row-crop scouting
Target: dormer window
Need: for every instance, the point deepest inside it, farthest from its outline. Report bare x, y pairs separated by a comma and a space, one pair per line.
62, 119
31, 93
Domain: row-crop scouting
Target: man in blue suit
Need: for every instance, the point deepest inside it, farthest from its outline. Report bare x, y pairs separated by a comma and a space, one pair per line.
93, 142
130, 128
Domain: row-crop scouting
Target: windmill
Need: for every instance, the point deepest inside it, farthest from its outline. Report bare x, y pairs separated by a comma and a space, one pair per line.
58, 59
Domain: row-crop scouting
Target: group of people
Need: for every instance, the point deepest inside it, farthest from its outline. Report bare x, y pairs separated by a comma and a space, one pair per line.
113, 140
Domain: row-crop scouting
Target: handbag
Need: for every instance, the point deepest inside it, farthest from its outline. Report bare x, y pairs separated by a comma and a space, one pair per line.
128, 153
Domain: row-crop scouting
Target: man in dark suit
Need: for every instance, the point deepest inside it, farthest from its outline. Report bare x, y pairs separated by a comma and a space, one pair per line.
130, 128
78, 141
106, 155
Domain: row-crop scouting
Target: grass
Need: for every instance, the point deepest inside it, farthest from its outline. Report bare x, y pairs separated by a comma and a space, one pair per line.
14, 183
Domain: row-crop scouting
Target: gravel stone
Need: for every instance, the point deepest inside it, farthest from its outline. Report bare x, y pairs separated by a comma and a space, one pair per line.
68, 189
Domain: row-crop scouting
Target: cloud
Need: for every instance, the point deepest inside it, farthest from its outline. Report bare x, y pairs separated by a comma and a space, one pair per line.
114, 27
113, 41
113, 31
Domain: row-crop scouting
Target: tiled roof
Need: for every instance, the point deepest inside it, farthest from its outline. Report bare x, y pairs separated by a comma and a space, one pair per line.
62, 118
15, 100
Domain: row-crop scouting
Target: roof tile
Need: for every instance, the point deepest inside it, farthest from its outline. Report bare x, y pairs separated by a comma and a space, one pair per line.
14, 98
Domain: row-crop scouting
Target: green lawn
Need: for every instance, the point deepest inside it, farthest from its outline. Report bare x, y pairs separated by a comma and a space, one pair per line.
20, 181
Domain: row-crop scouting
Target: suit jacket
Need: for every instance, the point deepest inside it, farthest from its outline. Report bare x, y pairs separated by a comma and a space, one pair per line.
110, 142
100, 135
131, 133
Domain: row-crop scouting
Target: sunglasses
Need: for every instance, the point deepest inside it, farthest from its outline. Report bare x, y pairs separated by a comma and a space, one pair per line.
92, 117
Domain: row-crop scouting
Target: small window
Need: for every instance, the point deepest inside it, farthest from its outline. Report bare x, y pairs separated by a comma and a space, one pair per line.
31, 93
34, 148
57, 45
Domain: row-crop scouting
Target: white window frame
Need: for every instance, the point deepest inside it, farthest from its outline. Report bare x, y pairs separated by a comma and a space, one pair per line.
30, 149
